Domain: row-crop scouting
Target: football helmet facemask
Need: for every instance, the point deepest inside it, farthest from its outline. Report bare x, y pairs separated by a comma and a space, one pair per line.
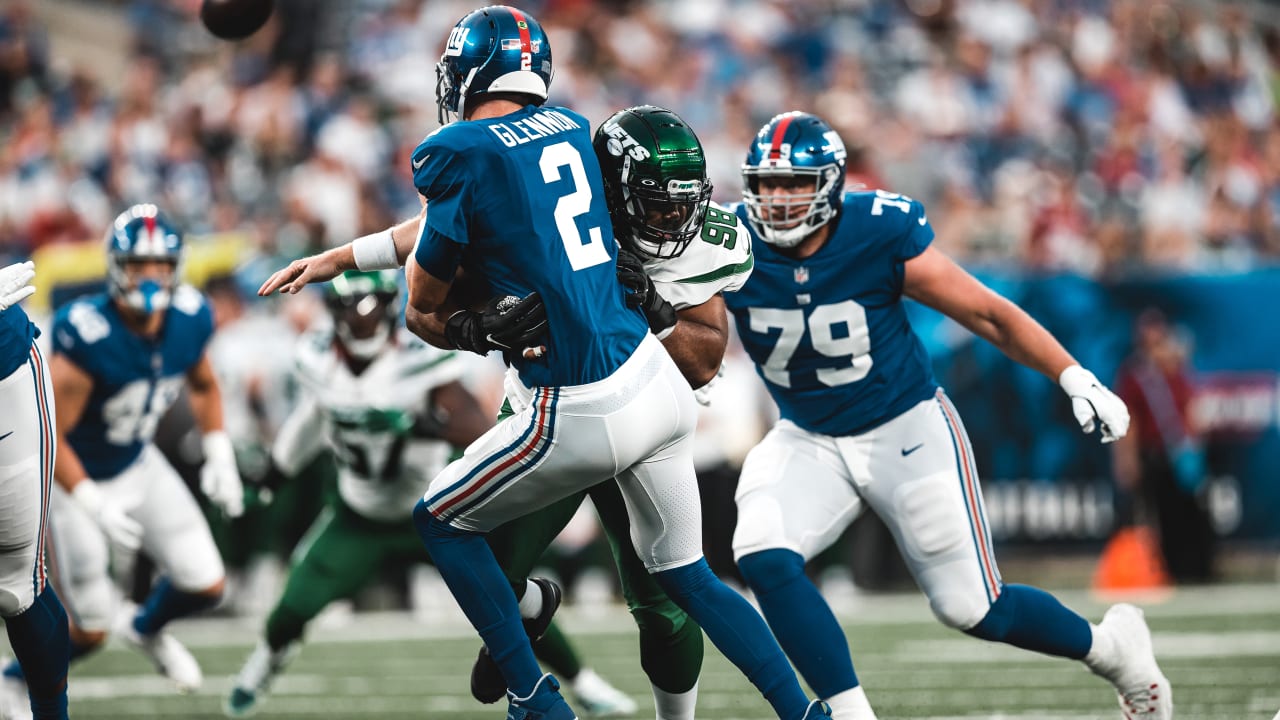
807, 156
365, 308
496, 49
655, 180
141, 235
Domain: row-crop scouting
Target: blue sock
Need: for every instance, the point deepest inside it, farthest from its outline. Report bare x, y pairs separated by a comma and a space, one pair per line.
41, 643
739, 632
166, 603
14, 670
1031, 618
472, 573
801, 620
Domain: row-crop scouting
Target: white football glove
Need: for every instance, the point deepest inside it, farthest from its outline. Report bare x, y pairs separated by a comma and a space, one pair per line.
119, 528
1094, 405
703, 394
219, 478
15, 283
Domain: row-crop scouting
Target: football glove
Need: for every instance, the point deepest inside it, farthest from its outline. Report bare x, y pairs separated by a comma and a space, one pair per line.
122, 530
1094, 405
219, 478
660, 314
507, 323
15, 283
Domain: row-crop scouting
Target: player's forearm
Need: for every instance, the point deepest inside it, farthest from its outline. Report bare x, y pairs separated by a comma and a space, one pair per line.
1020, 337
206, 408
697, 350
428, 326
68, 471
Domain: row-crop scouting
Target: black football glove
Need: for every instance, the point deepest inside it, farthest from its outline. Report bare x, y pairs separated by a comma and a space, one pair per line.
659, 313
507, 323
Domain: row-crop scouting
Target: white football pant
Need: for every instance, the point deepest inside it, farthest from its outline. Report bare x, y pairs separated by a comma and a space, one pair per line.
174, 534
28, 440
636, 425
800, 490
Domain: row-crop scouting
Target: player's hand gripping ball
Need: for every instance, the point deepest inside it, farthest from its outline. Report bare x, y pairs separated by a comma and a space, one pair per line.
234, 19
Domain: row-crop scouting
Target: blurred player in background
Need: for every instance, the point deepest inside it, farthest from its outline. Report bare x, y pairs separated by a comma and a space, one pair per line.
120, 360
33, 617
391, 409
865, 423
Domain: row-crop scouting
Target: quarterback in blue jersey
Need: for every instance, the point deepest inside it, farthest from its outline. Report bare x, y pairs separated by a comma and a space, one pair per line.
33, 617
120, 360
864, 423
517, 200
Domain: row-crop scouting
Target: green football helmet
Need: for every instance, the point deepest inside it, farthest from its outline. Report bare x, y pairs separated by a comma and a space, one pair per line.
655, 180
365, 308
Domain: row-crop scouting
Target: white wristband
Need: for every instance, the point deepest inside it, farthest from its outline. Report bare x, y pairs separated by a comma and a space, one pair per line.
376, 251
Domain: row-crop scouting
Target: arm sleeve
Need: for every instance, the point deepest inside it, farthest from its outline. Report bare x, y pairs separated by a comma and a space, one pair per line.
443, 178
916, 236
300, 439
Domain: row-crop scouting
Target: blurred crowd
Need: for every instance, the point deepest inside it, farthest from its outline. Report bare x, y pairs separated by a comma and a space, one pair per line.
1085, 136
1090, 137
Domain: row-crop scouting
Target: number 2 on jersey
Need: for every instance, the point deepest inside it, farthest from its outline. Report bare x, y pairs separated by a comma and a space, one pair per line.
570, 206
854, 345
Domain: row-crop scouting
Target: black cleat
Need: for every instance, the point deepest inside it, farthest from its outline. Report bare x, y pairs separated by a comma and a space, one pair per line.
487, 683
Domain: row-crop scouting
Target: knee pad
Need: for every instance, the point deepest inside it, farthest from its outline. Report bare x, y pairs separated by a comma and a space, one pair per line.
11, 604
770, 569
959, 611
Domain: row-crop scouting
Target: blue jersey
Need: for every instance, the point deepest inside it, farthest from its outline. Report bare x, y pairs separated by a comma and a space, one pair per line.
16, 334
829, 333
135, 379
524, 197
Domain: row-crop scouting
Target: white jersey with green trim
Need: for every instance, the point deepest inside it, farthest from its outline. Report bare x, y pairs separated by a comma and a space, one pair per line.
368, 421
718, 260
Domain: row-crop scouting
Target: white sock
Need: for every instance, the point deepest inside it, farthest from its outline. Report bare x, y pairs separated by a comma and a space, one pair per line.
852, 704
1102, 652
675, 706
531, 603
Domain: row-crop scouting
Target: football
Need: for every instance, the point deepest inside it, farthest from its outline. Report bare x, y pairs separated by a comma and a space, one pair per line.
234, 19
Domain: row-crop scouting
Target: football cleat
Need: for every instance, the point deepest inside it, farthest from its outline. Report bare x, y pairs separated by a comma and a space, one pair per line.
544, 703
250, 687
487, 683
1143, 691
15, 704
169, 656
598, 698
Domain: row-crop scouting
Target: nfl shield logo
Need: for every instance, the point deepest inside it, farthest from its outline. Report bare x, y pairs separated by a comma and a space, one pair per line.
802, 275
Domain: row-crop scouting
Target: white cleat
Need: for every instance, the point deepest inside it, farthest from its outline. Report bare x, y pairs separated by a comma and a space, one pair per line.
1144, 691
14, 702
597, 698
170, 657
250, 687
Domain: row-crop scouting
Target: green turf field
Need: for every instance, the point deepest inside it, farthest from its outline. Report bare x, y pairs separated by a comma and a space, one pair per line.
1220, 648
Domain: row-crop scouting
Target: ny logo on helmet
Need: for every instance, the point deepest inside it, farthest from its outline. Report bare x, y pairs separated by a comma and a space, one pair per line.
457, 38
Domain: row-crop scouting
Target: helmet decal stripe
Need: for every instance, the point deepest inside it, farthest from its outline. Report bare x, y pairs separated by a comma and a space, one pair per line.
779, 132
526, 48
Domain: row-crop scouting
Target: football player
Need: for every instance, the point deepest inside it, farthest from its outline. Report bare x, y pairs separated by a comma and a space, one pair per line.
391, 409
33, 617
679, 253
120, 360
865, 425
516, 199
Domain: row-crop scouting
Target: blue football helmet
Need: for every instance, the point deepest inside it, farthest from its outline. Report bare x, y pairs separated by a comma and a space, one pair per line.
140, 234
496, 49
797, 146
